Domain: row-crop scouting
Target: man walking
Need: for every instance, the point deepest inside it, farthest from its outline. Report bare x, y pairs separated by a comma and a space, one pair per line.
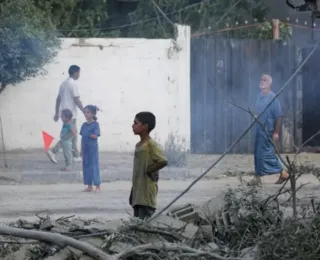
266, 161
68, 98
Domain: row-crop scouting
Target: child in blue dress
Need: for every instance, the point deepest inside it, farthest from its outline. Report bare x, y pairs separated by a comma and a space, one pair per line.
90, 131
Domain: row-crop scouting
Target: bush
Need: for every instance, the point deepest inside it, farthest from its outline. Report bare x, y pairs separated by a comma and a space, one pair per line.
174, 149
27, 41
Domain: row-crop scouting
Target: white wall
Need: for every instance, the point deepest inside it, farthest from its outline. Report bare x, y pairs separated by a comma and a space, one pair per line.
121, 76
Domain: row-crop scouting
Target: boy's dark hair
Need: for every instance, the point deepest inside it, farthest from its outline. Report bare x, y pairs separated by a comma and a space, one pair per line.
73, 69
67, 113
147, 118
93, 109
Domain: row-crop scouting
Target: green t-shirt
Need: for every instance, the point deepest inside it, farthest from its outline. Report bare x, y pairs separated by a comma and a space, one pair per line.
66, 131
144, 189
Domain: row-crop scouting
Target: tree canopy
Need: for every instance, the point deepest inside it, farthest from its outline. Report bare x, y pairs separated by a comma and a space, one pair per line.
202, 16
76, 18
27, 41
114, 18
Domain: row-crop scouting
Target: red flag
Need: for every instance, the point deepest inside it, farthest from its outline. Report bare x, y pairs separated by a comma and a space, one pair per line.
47, 140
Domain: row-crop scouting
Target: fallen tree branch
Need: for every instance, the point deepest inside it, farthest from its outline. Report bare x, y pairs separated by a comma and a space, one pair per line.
167, 247
238, 140
314, 207
19, 242
150, 255
292, 170
65, 218
282, 191
159, 232
299, 188
98, 234
56, 239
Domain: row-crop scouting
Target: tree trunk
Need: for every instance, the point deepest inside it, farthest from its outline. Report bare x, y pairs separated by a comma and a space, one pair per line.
56, 239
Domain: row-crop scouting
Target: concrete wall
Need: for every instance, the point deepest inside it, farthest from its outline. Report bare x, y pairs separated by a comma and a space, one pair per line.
121, 76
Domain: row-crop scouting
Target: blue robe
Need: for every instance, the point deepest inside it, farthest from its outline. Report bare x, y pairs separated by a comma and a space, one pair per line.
266, 161
90, 154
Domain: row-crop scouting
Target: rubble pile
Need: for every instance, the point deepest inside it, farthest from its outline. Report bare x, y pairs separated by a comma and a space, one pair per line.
241, 224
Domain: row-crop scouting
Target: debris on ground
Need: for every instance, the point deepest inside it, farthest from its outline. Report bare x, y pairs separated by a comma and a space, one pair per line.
242, 223
228, 174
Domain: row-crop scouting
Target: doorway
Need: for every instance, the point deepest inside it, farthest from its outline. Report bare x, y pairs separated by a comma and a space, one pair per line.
311, 98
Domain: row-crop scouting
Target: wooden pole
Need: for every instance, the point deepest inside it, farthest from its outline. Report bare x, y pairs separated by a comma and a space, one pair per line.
3, 145
276, 29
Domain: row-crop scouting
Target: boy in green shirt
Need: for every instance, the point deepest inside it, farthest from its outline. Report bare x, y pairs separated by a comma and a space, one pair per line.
148, 160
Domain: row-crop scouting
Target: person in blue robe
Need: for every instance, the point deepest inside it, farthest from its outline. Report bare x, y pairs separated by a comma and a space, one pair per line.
266, 161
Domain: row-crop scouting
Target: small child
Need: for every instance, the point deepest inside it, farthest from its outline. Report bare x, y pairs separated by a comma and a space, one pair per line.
90, 131
66, 135
148, 160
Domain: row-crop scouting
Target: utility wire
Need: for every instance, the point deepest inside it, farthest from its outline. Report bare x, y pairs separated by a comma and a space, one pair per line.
136, 23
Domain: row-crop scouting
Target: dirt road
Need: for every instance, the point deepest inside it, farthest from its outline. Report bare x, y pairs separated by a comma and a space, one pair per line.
21, 201
24, 201
32, 184
33, 167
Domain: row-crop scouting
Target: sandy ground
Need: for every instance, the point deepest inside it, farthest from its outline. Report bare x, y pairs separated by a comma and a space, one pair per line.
24, 201
33, 167
35, 185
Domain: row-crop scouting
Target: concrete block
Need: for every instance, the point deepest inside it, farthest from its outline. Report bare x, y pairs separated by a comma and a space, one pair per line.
167, 222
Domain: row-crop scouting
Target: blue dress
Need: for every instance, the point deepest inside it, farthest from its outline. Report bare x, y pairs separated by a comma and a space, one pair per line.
266, 161
90, 153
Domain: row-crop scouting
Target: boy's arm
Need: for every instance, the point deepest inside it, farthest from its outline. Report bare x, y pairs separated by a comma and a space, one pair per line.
157, 166
158, 158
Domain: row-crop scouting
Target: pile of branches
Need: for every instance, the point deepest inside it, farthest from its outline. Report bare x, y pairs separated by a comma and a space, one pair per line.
74, 238
264, 227
247, 225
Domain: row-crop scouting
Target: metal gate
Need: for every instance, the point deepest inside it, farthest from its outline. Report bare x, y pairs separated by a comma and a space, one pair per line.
235, 67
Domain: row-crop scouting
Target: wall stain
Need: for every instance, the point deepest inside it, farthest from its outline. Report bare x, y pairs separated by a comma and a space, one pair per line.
83, 43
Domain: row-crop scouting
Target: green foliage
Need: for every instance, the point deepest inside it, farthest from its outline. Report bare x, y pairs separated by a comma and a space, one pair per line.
27, 41
99, 18
264, 31
78, 18
207, 16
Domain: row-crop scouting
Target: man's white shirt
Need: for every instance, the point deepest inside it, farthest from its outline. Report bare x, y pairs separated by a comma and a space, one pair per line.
67, 92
